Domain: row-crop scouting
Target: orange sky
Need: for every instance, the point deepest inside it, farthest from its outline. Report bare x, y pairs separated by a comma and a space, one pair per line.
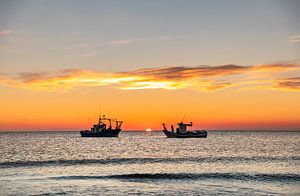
219, 97
222, 65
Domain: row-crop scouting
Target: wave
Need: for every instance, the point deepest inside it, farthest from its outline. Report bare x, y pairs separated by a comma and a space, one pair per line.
143, 160
191, 176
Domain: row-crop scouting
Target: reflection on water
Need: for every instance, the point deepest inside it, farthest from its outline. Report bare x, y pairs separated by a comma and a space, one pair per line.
224, 163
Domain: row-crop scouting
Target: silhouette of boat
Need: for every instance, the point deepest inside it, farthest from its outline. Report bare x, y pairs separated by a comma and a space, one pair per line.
103, 128
182, 132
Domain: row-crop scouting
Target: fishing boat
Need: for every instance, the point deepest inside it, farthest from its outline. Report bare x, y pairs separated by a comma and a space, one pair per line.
103, 128
182, 132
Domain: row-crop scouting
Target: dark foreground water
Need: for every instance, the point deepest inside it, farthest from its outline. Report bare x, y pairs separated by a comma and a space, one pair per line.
229, 163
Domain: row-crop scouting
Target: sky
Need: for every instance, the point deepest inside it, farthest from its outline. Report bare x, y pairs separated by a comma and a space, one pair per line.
221, 64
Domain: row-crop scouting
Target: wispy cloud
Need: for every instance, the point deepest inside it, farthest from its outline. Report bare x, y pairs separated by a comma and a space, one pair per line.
288, 83
294, 39
167, 37
129, 41
119, 42
90, 54
203, 78
175, 73
5, 32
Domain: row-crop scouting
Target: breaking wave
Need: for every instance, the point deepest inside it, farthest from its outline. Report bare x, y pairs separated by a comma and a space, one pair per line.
143, 160
191, 176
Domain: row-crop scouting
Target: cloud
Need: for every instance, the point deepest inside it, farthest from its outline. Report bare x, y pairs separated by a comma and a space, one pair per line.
202, 78
288, 84
294, 39
274, 67
129, 41
80, 45
180, 73
5, 32
119, 42
90, 54
4, 78
167, 37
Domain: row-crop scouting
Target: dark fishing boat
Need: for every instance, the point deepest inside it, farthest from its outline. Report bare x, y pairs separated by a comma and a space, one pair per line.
182, 132
103, 128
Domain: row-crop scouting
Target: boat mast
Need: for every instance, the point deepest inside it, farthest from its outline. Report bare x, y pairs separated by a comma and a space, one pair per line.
118, 124
164, 125
109, 123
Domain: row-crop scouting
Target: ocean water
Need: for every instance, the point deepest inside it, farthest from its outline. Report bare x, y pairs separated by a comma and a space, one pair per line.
225, 163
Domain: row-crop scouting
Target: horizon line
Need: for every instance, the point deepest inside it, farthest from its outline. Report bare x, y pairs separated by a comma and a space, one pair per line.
212, 130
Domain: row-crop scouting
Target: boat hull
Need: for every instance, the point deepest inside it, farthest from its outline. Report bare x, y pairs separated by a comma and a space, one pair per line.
200, 134
106, 133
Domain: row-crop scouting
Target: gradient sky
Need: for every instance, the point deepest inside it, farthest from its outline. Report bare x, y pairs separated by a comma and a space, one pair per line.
221, 64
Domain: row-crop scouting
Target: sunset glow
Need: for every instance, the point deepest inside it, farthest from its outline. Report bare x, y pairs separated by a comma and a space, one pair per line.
147, 69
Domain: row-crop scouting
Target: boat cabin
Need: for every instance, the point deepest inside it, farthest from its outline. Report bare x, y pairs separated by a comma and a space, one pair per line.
182, 127
103, 123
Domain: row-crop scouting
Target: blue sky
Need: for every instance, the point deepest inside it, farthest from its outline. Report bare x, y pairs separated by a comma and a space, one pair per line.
126, 35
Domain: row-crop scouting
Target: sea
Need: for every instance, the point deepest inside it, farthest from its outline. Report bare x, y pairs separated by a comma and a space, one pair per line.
148, 163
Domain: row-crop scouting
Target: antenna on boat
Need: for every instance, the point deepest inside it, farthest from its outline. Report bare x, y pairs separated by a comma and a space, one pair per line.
99, 112
183, 117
